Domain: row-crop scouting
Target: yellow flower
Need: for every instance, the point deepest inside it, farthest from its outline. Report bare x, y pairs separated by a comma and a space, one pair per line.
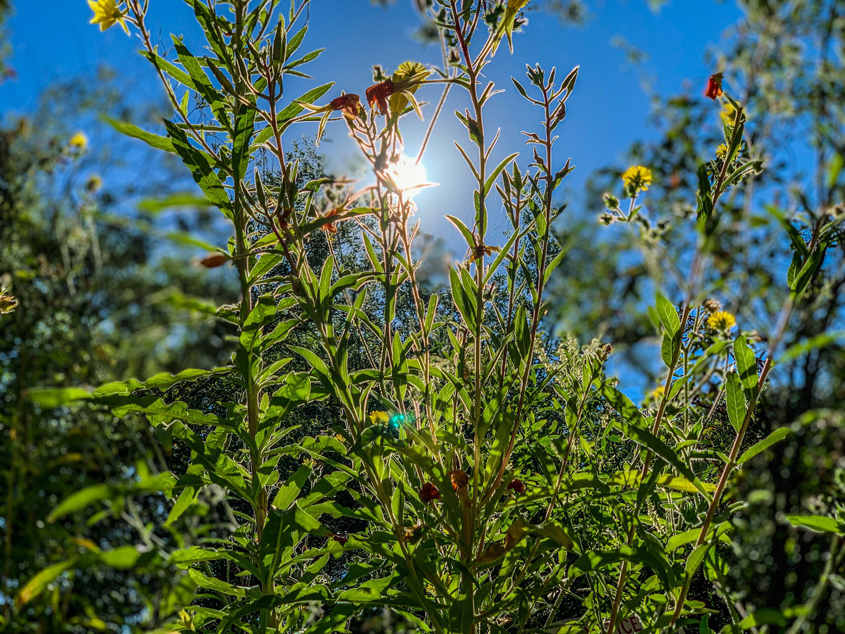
107, 14
658, 392
721, 320
379, 417
7, 302
728, 114
79, 142
722, 151
636, 179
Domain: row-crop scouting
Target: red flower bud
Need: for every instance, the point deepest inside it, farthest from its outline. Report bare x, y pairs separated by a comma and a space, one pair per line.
517, 485
429, 492
213, 260
714, 86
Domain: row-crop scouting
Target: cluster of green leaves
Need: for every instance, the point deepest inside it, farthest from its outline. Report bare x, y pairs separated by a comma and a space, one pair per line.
497, 482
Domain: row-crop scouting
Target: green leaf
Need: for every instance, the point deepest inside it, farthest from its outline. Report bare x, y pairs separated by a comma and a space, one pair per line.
54, 397
182, 199
81, 499
154, 140
746, 364
183, 503
735, 401
193, 555
292, 111
763, 616
121, 558
288, 492
39, 582
465, 232
595, 560
200, 165
808, 345
495, 173
283, 530
817, 523
668, 315
633, 425
775, 437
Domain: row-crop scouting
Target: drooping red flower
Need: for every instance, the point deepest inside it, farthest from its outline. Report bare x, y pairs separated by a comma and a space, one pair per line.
329, 226
714, 86
518, 486
349, 105
429, 493
459, 478
213, 260
378, 94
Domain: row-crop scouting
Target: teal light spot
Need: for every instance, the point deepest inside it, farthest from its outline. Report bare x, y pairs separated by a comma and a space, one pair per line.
398, 420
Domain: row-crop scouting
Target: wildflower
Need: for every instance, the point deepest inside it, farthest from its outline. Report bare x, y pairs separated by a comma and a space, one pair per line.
411, 533
480, 251
379, 417
722, 151
459, 478
378, 94
712, 305
329, 226
8, 303
94, 183
721, 320
107, 14
78, 142
517, 486
728, 113
213, 260
429, 493
714, 86
349, 105
407, 78
658, 393
636, 179
186, 620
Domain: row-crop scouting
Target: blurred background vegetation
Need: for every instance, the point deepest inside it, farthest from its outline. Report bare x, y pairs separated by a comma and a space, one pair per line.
101, 267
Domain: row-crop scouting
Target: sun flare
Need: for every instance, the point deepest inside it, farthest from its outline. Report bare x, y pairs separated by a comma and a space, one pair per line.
408, 175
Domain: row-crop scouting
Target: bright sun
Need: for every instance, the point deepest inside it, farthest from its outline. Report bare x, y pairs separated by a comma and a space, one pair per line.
408, 175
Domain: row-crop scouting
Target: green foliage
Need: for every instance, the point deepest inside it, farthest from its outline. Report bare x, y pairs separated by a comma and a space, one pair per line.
374, 444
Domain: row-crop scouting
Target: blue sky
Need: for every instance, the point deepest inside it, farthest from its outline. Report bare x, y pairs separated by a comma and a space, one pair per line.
607, 112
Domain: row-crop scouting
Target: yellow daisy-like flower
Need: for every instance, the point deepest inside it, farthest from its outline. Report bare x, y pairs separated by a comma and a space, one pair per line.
107, 13
658, 392
721, 320
728, 114
79, 142
379, 418
636, 179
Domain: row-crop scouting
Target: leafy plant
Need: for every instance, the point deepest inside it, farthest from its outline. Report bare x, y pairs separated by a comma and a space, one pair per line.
498, 480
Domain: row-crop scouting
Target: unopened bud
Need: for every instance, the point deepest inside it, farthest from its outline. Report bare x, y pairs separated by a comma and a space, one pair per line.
213, 260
